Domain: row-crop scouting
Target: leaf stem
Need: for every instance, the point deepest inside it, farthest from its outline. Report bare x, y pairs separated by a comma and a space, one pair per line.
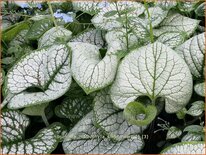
44, 118
52, 13
150, 23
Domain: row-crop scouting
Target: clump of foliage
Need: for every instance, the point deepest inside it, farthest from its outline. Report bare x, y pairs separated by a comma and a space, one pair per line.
103, 77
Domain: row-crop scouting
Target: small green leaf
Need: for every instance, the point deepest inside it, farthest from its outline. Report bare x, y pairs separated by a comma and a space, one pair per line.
39, 28
7, 60
193, 128
140, 115
12, 31
200, 10
197, 108
192, 136
173, 133
181, 113
200, 89
36, 110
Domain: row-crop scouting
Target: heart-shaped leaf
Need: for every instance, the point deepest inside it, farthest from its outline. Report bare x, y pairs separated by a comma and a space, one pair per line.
39, 28
54, 34
193, 51
196, 109
111, 119
137, 114
89, 70
175, 22
110, 22
85, 138
92, 36
39, 77
44, 142
155, 71
186, 148
173, 133
200, 89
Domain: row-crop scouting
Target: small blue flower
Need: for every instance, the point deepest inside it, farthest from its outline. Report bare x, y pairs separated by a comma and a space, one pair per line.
22, 4
103, 4
39, 6
66, 17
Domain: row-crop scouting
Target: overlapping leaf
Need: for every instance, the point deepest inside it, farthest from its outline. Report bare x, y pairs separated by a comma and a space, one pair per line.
111, 119
193, 51
175, 22
200, 89
14, 125
185, 148
92, 36
106, 19
155, 71
85, 138
39, 77
53, 35
89, 70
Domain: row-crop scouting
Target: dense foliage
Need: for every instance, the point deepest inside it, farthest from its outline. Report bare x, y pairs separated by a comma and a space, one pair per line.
103, 77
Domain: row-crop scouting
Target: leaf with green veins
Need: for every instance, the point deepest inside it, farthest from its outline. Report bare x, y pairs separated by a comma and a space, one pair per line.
138, 114
171, 39
194, 128
89, 70
111, 119
85, 138
41, 76
44, 142
200, 10
74, 108
52, 35
39, 28
90, 7
173, 133
92, 36
109, 23
193, 51
13, 125
191, 136
197, 108
167, 4
12, 31
200, 89
157, 15
197, 147
19, 39
175, 22
36, 110
155, 71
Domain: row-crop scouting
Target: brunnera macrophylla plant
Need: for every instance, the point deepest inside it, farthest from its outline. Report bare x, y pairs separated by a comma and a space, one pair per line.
104, 77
